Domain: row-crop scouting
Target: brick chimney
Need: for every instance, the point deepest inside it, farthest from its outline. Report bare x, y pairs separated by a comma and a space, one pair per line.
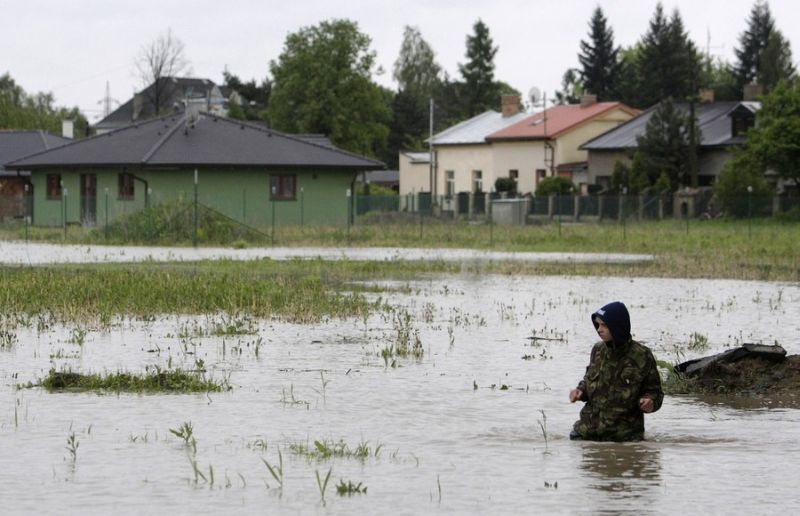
706, 95
752, 91
509, 105
588, 100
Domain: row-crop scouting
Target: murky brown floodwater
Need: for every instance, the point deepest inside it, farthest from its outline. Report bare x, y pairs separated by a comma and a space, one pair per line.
446, 447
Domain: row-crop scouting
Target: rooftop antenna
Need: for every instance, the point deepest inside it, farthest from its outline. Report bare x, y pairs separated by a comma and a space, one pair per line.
538, 98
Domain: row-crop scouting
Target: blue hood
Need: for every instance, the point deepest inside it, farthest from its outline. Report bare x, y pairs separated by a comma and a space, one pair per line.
616, 317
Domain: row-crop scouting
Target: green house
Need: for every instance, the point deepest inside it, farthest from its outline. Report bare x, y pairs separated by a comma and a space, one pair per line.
244, 171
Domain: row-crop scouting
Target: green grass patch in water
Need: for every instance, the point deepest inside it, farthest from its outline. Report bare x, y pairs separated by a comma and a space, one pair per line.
153, 380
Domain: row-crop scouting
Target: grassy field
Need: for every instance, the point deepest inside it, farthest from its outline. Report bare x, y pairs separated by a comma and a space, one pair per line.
765, 249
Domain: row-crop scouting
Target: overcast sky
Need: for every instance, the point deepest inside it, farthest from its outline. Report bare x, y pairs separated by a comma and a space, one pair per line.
72, 48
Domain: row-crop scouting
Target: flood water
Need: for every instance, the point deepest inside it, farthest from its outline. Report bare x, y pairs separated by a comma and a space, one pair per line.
445, 445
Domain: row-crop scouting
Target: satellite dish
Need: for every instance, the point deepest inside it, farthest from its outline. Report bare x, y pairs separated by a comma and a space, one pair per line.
534, 95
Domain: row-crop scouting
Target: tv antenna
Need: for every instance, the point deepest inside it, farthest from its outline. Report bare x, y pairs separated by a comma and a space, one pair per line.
538, 98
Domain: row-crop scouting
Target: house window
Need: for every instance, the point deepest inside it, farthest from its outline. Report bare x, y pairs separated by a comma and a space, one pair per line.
540, 174
125, 182
477, 181
450, 184
282, 187
741, 124
513, 174
54, 186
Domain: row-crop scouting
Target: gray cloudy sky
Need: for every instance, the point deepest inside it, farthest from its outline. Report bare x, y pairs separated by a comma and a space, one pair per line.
72, 48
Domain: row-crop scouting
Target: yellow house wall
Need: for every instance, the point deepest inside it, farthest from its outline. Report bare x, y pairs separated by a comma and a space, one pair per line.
462, 160
414, 177
526, 157
568, 144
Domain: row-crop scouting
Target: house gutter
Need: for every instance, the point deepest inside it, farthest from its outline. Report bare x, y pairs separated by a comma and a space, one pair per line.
146, 190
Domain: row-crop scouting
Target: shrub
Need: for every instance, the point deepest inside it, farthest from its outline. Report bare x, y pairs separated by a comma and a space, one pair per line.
555, 185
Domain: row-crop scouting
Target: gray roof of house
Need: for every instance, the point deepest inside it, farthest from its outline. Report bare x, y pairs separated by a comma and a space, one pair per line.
381, 176
170, 141
713, 122
174, 88
418, 157
476, 129
18, 144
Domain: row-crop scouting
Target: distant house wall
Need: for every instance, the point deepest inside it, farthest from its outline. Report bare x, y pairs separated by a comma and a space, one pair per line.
711, 161
240, 193
601, 163
463, 160
526, 157
568, 150
414, 177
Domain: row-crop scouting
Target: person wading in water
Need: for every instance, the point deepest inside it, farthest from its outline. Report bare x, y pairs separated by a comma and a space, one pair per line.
621, 383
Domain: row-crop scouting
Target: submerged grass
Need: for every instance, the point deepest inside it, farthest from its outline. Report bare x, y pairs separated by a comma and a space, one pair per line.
154, 380
259, 289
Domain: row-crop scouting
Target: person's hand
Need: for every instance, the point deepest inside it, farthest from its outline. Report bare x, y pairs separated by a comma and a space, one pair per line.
575, 395
646, 404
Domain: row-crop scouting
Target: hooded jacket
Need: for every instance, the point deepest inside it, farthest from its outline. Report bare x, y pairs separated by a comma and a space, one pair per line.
619, 374
616, 317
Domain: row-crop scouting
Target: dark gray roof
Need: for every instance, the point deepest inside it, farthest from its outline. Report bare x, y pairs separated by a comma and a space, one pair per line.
170, 141
18, 144
713, 122
175, 89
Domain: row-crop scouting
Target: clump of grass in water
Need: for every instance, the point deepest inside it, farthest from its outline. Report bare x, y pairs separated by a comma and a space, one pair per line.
275, 470
673, 382
72, 446
323, 484
543, 425
697, 342
154, 380
8, 339
326, 449
349, 488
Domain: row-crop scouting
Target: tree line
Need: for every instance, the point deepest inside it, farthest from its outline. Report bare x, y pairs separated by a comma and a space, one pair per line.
323, 82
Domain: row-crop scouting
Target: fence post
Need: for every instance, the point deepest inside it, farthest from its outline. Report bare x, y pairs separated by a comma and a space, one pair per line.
194, 214
274, 191
349, 208
749, 211
64, 218
106, 210
302, 214
576, 200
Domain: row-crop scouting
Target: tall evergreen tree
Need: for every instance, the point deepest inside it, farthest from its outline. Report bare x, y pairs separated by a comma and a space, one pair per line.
763, 55
668, 62
666, 146
478, 71
752, 42
599, 59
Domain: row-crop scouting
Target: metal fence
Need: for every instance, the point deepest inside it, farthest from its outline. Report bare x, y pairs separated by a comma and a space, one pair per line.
207, 219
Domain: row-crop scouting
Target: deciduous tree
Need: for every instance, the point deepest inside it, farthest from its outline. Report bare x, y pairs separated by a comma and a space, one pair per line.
322, 83
157, 61
19, 110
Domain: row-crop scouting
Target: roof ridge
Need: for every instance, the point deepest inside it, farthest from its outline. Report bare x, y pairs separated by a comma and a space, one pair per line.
164, 138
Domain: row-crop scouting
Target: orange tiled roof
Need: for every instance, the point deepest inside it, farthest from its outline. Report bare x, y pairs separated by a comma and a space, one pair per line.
559, 120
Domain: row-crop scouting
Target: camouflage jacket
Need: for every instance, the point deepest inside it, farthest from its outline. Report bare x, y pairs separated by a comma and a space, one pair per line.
614, 382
